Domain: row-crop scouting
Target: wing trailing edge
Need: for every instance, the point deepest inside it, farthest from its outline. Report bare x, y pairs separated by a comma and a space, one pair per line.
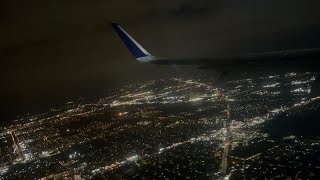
288, 60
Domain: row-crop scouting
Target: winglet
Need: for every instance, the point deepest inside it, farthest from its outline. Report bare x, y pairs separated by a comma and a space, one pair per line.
134, 47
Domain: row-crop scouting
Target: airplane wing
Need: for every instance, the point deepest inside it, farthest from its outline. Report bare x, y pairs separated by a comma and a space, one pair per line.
295, 60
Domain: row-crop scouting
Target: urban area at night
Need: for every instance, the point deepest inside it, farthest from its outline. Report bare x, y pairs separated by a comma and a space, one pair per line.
171, 128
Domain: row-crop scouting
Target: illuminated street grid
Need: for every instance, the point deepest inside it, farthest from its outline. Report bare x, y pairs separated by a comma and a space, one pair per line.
159, 129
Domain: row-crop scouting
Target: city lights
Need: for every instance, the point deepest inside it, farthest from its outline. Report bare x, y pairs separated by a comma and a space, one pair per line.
172, 127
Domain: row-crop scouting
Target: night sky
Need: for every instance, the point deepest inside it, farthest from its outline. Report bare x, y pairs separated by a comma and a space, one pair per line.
54, 51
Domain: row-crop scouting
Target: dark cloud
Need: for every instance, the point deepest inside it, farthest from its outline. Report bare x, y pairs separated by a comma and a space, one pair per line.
51, 51
242, 26
185, 7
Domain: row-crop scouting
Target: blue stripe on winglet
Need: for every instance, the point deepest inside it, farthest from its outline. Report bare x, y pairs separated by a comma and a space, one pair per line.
131, 45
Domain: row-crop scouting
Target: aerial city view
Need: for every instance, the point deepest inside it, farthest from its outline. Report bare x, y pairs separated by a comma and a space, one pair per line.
159, 89
173, 128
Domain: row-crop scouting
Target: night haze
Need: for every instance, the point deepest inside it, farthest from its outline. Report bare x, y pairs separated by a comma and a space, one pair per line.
75, 103
51, 51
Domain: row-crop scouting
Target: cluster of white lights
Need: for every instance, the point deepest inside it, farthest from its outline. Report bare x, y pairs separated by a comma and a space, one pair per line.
271, 85
290, 74
299, 82
301, 90
133, 158
196, 99
271, 77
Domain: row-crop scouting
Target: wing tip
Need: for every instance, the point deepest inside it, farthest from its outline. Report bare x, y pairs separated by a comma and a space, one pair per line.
134, 47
